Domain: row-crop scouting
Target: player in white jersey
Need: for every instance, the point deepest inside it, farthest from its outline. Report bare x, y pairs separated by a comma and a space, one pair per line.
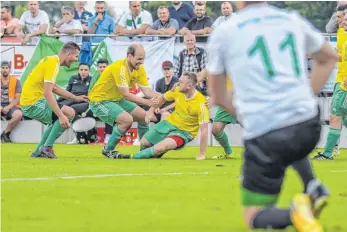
264, 53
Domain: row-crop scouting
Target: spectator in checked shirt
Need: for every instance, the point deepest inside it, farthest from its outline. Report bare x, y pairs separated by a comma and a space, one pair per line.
192, 59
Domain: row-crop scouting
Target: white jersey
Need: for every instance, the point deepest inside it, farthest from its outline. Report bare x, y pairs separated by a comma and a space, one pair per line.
264, 53
74, 24
33, 23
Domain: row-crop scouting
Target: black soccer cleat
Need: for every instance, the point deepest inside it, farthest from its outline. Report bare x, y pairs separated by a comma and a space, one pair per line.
321, 156
5, 138
47, 152
115, 154
319, 195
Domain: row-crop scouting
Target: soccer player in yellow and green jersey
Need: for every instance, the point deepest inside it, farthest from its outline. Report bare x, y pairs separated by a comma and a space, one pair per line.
338, 106
38, 100
182, 126
111, 101
221, 119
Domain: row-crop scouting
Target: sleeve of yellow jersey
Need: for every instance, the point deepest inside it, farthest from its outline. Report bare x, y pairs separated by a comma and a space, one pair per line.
120, 77
51, 69
170, 95
204, 115
142, 80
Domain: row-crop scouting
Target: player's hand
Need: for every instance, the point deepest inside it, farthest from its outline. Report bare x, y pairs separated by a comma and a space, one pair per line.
209, 102
149, 116
157, 111
82, 98
64, 122
153, 102
201, 157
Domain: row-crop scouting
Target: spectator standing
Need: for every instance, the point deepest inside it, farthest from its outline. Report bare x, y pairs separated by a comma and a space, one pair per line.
82, 15
100, 23
68, 25
227, 11
162, 86
332, 26
10, 95
192, 59
134, 22
182, 12
35, 21
199, 25
164, 25
8, 23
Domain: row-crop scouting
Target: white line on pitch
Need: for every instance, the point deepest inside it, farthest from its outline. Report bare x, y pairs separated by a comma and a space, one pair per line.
106, 175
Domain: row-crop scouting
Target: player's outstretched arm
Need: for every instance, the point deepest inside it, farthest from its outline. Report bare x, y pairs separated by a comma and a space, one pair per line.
149, 92
133, 98
324, 62
203, 141
67, 95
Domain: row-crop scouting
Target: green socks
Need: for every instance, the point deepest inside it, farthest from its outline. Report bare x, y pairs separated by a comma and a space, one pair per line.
142, 129
115, 137
224, 142
56, 132
43, 139
145, 154
333, 137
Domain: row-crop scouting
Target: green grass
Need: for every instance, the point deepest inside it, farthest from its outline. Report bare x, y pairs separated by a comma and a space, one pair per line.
183, 203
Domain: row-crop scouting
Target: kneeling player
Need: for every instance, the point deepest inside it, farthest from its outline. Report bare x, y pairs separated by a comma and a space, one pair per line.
182, 125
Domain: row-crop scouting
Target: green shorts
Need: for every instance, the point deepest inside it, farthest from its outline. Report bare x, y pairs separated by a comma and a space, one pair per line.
339, 102
108, 111
164, 129
224, 116
40, 111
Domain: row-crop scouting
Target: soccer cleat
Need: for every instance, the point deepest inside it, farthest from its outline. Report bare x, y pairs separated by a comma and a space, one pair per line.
223, 156
115, 155
47, 152
36, 155
319, 195
301, 215
5, 138
336, 150
321, 156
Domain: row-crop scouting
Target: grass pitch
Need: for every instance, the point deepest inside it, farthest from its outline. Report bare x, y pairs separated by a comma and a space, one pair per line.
83, 191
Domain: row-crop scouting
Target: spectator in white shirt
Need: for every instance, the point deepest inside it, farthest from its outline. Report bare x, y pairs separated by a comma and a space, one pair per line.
227, 11
134, 22
36, 22
68, 25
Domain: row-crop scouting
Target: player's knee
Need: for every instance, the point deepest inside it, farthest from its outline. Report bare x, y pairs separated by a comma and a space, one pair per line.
335, 121
216, 130
18, 114
124, 121
68, 111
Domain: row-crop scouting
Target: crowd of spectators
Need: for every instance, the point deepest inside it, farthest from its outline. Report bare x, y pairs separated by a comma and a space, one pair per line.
178, 18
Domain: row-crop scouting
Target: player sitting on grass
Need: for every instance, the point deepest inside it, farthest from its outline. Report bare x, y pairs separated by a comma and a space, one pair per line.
181, 126
38, 100
111, 101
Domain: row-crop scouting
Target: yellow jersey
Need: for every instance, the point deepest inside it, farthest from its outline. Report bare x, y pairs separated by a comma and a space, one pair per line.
45, 71
342, 66
188, 113
117, 75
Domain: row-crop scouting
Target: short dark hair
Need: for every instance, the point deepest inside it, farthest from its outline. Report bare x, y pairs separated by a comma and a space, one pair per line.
7, 7
5, 63
191, 76
341, 7
70, 46
132, 49
100, 2
84, 64
102, 61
